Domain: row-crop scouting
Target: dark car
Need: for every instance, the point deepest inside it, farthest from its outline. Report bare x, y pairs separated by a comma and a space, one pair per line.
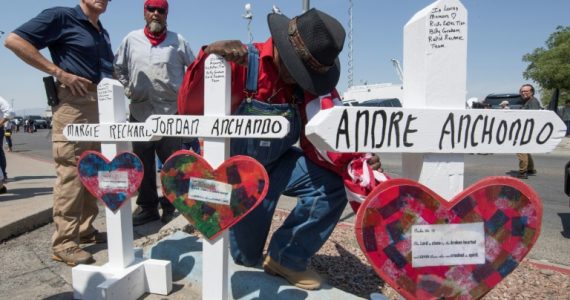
39, 122
387, 102
494, 100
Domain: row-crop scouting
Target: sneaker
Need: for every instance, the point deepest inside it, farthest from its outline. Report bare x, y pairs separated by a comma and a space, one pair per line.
145, 216
3, 190
73, 256
522, 175
94, 238
531, 172
308, 279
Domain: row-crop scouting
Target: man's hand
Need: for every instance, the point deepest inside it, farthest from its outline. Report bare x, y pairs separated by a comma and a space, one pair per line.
78, 85
375, 163
232, 50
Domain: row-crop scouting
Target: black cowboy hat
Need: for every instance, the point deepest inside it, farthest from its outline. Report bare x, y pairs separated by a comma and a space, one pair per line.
309, 45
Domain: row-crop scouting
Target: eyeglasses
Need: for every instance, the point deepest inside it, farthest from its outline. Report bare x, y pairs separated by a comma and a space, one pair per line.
152, 9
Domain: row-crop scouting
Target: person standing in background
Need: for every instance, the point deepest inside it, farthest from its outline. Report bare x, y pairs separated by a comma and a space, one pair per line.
150, 63
565, 115
81, 52
8, 130
526, 163
5, 115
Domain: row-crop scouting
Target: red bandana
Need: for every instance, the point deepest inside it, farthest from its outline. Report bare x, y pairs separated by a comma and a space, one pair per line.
155, 39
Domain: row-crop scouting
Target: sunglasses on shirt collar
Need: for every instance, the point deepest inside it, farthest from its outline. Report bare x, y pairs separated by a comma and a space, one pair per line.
152, 9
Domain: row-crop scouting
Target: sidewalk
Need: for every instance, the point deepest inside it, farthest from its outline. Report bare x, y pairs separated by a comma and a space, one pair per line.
26, 259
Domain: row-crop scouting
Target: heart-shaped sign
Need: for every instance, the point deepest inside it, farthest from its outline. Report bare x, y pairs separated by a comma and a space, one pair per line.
213, 200
426, 247
111, 182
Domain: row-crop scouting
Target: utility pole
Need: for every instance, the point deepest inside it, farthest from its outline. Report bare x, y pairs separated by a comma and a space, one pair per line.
306, 5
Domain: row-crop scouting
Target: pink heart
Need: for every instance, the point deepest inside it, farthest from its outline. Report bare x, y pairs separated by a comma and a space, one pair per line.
213, 200
507, 211
111, 182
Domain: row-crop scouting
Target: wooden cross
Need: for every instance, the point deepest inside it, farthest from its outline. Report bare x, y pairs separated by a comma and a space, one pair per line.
434, 130
127, 277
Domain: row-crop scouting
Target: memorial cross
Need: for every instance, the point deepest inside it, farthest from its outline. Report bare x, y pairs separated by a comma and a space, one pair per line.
126, 277
433, 129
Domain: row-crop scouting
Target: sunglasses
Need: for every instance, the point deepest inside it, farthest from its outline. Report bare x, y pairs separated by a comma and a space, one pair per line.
153, 9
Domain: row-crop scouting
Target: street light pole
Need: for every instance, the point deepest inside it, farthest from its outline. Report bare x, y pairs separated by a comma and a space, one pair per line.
306, 5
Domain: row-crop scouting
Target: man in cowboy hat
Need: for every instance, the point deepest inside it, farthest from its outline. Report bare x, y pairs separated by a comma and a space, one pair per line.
295, 72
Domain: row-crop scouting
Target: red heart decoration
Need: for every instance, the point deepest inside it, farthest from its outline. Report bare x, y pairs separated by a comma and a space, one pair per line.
213, 200
507, 211
112, 182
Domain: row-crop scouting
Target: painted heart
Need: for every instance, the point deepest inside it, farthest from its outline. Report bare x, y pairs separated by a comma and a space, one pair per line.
112, 182
213, 200
426, 247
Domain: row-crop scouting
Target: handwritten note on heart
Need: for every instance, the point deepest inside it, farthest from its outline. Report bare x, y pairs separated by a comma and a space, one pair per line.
213, 200
111, 182
426, 247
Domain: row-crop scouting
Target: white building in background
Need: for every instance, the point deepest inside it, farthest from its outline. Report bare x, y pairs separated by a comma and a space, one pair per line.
47, 113
373, 91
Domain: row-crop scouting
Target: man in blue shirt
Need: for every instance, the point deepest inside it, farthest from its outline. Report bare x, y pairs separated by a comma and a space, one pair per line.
81, 56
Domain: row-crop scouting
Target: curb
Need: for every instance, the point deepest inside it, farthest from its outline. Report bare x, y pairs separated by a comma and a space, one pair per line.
544, 265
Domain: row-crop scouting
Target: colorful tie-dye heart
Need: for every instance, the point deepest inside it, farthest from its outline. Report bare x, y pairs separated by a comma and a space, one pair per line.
507, 211
213, 200
111, 182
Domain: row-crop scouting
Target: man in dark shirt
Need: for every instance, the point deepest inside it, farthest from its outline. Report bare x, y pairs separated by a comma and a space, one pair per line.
526, 163
82, 55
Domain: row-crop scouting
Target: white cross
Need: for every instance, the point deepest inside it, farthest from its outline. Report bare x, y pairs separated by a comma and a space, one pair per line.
433, 130
126, 277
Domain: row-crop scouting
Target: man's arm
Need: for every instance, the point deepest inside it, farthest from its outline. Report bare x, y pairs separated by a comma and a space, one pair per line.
120, 67
32, 56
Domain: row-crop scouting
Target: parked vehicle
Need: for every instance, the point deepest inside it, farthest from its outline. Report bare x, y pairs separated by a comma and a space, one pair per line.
38, 121
494, 100
18, 121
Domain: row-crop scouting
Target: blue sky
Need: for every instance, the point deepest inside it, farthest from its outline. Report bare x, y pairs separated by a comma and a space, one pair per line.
499, 34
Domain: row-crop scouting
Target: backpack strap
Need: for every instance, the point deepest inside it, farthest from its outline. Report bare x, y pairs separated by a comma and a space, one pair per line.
252, 69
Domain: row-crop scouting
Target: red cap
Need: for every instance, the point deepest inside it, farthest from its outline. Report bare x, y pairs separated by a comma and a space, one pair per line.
157, 3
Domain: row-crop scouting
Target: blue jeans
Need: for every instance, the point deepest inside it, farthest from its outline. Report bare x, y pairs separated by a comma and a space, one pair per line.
321, 200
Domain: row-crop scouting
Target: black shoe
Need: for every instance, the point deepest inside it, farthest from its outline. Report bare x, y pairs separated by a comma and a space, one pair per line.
145, 216
3, 190
167, 215
531, 172
522, 176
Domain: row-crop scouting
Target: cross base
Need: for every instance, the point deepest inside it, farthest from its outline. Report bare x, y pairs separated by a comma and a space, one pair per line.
104, 282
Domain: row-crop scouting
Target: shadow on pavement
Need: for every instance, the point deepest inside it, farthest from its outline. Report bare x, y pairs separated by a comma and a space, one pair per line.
62, 296
335, 267
178, 253
24, 193
565, 219
268, 290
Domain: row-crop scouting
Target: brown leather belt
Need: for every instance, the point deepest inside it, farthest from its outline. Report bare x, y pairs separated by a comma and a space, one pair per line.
91, 87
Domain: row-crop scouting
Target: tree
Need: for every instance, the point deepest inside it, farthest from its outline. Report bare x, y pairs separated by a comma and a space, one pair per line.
550, 67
